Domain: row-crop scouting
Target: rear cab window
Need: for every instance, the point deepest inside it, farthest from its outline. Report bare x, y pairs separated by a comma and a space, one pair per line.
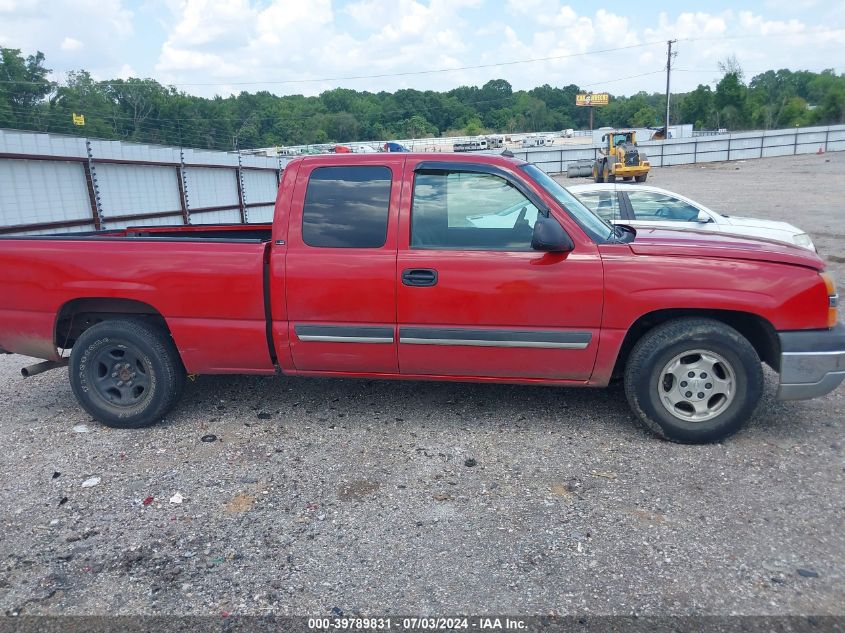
347, 207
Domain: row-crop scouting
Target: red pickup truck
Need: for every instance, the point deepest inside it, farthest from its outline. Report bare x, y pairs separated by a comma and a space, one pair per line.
458, 267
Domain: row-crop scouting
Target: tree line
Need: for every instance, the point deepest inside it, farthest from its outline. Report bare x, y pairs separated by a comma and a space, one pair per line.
143, 110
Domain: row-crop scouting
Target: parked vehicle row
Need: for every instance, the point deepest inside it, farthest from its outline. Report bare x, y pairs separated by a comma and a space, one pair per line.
401, 265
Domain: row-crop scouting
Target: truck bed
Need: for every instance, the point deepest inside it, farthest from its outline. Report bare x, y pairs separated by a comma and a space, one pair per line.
206, 281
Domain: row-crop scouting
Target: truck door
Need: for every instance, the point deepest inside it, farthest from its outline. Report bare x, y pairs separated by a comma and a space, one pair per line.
473, 298
341, 266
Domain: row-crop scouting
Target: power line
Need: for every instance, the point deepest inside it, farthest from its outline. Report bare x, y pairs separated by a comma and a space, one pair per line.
123, 84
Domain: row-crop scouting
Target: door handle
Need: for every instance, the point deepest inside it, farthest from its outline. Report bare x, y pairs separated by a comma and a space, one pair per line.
419, 277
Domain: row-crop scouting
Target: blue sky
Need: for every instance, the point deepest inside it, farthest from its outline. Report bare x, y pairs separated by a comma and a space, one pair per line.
218, 47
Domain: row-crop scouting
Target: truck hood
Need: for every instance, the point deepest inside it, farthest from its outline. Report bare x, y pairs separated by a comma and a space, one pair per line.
698, 243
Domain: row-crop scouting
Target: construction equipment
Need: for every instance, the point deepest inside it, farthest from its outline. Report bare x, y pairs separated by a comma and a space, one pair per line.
620, 157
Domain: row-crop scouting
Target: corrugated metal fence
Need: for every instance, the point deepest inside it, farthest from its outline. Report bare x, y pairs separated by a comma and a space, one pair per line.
53, 184
704, 149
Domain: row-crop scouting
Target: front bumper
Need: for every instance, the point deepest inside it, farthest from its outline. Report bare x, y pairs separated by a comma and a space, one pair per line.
812, 362
620, 169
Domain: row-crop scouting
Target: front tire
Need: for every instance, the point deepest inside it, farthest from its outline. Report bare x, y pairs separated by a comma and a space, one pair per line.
693, 380
126, 373
641, 178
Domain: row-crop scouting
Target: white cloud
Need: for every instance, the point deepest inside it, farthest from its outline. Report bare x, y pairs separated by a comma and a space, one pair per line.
229, 43
71, 44
126, 71
100, 29
17, 6
285, 40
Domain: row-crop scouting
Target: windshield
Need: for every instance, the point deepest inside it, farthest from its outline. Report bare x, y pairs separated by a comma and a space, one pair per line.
592, 224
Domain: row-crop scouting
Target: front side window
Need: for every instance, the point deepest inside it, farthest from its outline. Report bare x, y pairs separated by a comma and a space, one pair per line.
659, 207
602, 203
347, 207
471, 211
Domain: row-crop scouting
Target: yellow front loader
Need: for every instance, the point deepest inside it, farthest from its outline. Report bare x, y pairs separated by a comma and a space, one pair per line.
620, 158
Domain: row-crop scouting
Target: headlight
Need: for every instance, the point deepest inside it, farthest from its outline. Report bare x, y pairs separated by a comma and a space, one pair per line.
803, 240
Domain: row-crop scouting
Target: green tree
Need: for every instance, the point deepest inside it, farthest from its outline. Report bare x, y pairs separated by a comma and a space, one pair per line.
730, 101
473, 126
697, 107
644, 117
23, 89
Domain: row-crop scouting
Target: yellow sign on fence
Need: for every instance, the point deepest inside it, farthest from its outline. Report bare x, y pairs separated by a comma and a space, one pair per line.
592, 99
78, 119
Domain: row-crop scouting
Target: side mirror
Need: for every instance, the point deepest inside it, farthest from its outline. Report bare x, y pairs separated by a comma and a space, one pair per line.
550, 237
703, 217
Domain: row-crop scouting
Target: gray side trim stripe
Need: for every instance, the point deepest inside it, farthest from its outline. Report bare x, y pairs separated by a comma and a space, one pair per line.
343, 333
494, 338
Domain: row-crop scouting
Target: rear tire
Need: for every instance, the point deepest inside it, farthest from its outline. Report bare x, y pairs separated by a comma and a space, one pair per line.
598, 172
641, 178
693, 380
608, 177
126, 373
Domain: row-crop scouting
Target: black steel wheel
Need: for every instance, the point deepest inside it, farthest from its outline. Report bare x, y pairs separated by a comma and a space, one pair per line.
126, 372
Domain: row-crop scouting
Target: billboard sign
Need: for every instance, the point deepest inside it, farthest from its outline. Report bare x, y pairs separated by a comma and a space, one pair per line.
592, 99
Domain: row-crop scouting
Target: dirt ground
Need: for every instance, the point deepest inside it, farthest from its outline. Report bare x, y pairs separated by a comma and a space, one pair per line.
304, 496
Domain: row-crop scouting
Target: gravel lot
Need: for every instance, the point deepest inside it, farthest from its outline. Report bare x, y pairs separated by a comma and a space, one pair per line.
361, 495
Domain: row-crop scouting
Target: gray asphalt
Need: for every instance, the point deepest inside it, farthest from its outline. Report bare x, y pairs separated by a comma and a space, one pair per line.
362, 496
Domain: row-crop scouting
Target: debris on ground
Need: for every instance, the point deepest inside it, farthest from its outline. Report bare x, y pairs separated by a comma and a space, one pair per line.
91, 482
240, 503
81, 428
177, 498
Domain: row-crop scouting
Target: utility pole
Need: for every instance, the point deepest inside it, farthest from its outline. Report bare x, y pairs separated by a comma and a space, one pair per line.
668, 72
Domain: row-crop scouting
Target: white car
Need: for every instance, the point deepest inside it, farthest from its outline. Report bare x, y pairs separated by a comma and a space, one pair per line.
645, 206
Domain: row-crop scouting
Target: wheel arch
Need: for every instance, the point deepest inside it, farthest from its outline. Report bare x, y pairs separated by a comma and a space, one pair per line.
758, 330
77, 315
